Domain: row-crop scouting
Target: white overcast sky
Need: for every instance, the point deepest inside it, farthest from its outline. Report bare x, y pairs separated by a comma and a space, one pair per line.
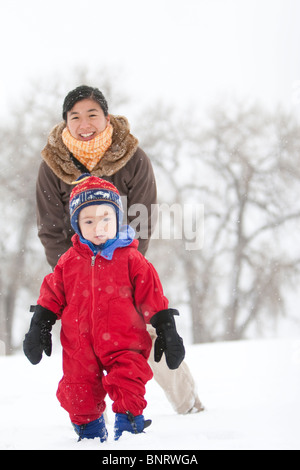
185, 51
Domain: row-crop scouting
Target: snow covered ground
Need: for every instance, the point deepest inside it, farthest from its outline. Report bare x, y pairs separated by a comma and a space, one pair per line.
251, 390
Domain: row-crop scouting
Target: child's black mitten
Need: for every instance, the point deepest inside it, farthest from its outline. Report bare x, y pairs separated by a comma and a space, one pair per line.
168, 340
38, 338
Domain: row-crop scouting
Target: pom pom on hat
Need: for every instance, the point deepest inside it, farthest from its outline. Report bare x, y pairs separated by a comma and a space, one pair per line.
91, 190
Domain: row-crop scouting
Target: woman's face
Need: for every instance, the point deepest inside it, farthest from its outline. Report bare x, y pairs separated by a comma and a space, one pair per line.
86, 120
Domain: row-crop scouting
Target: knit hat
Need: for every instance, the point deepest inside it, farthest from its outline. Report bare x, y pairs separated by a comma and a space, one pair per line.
89, 191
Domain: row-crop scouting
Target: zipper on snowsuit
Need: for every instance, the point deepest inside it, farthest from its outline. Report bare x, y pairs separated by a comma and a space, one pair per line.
93, 296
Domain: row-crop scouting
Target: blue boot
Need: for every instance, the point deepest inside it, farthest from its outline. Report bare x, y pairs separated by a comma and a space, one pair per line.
128, 422
92, 430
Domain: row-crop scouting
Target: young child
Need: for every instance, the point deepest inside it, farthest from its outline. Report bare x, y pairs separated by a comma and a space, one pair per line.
104, 292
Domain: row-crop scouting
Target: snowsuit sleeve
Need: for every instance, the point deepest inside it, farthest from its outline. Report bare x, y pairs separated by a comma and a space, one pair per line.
148, 291
52, 295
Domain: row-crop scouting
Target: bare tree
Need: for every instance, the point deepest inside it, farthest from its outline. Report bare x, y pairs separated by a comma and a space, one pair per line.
247, 153
243, 165
22, 263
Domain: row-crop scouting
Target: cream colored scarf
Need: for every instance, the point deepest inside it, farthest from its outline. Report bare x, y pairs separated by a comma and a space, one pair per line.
89, 153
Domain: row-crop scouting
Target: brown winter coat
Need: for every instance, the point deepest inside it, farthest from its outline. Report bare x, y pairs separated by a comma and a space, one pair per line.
124, 164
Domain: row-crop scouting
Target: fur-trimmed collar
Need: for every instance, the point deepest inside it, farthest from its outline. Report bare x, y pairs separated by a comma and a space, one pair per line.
124, 146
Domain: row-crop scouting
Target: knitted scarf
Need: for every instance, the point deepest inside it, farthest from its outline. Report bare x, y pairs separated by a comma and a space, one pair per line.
89, 153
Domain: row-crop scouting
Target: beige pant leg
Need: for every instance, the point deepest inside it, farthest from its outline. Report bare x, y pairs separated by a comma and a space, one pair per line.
178, 385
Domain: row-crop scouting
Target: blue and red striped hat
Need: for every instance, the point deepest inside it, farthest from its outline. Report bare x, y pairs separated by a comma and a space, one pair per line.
91, 190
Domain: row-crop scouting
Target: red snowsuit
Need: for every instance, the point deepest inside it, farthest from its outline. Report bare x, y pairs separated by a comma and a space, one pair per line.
104, 307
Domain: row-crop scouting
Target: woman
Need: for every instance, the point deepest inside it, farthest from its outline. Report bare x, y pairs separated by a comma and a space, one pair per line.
90, 140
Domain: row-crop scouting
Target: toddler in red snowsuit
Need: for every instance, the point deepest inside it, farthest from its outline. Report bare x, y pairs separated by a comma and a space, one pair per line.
104, 292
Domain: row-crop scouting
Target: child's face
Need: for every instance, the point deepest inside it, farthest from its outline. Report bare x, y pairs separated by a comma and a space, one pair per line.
98, 223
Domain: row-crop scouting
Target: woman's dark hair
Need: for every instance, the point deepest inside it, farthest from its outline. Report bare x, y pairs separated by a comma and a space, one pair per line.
82, 93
